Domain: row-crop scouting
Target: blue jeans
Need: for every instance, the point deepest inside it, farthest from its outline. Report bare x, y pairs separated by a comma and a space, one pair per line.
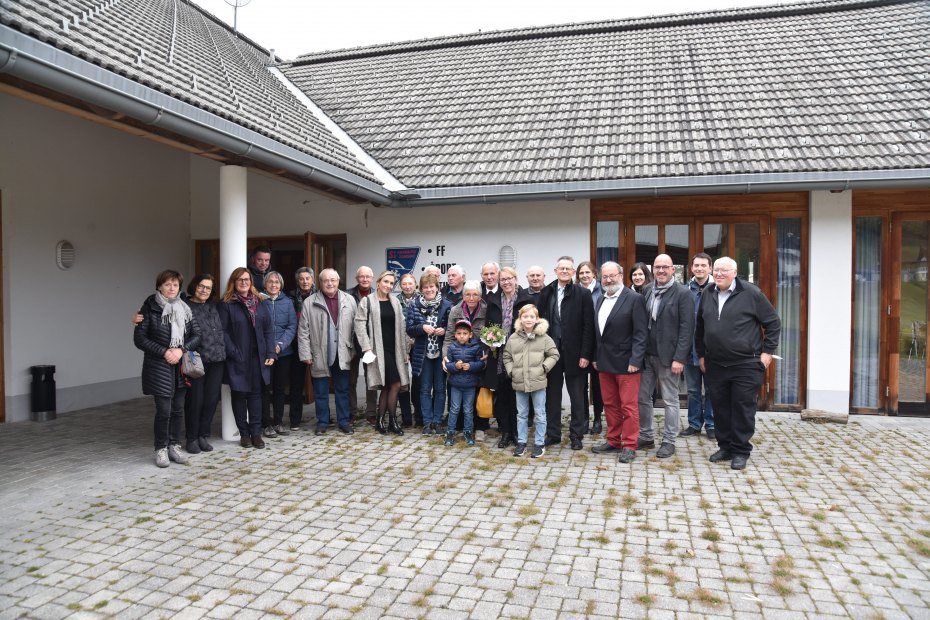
321, 397
700, 411
523, 414
432, 390
462, 400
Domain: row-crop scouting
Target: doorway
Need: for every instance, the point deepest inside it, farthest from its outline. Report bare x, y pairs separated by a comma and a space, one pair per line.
909, 371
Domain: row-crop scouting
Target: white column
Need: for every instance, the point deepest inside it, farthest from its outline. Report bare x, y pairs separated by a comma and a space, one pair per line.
829, 320
233, 251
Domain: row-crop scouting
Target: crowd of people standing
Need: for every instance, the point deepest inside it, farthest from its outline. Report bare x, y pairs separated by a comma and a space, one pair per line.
611, 347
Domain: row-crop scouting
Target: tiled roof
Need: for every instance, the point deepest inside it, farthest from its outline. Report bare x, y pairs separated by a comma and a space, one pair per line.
178, 49
822, 86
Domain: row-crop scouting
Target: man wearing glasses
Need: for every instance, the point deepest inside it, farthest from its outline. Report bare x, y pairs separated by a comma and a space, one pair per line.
736, 335
671, 326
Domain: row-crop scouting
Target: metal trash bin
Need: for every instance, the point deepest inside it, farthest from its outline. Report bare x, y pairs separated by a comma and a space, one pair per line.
43, 393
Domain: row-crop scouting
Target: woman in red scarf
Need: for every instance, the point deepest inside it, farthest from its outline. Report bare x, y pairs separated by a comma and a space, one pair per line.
249, 336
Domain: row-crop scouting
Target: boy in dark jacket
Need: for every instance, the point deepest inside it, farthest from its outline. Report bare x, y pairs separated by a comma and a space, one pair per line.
464, 367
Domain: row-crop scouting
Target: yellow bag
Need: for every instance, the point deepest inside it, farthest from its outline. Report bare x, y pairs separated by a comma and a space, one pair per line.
484, 403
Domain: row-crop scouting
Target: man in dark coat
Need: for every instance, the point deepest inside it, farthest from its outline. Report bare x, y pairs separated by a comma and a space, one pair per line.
671, 329
736, 335
621, 329
259, 265
570, 311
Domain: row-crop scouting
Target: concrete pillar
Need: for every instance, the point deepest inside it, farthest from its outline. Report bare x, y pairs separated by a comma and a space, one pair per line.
233, 251
829, 320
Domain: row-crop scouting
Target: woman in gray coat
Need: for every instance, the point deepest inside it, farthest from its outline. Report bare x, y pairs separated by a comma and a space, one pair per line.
380, 329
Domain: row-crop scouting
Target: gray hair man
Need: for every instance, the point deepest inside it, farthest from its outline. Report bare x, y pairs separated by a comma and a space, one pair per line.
670, 310
736, 335
364, 277
455, 281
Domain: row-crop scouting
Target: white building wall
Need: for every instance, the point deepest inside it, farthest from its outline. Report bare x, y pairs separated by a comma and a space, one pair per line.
124, 204
828, 323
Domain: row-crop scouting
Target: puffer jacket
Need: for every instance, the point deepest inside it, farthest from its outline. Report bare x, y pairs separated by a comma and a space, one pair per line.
528, 358
313, 333
471, 353
212, 347
416, 319
159, 378
285, 322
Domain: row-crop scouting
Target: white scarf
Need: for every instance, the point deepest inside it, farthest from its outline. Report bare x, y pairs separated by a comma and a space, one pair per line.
177, 313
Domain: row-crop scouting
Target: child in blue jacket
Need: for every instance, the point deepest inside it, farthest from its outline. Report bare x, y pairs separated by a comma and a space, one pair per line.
464, 365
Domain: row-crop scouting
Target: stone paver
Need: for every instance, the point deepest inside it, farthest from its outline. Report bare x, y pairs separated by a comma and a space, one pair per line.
827, 521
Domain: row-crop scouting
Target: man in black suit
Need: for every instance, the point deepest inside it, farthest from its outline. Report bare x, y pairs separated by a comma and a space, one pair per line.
570, 311
736, 336
671, 328
622, 326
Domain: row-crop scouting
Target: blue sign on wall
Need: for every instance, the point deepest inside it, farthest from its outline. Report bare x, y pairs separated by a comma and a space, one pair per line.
402, 260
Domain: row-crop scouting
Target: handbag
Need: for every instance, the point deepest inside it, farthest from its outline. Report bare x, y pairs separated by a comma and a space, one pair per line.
484, 403
192, 365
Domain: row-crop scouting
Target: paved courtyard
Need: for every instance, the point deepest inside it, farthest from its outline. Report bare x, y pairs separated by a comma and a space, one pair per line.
827, 521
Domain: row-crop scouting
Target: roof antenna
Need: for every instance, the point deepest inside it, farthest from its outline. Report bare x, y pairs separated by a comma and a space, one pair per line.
235, 4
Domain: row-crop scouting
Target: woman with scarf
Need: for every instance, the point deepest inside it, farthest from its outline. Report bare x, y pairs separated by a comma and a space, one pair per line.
380, 331
298, 376
426, 324
408, 398
250, 353
203, 395
166, 332
640, 276
281, 309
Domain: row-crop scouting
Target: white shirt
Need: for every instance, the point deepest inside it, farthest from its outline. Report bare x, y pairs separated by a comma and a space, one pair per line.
492, 290
723, 296
607, 307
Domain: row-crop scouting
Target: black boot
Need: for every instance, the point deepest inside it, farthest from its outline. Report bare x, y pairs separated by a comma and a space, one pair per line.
393, 426
596, 428
505, 440
379, 423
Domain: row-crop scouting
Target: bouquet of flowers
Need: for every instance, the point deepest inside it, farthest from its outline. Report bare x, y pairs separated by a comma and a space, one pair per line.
493, 336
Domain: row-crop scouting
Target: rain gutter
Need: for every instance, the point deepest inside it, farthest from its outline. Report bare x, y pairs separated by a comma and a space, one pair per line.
47, 66
669, 186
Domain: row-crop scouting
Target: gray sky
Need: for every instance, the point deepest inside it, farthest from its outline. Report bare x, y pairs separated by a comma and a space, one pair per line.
294, 27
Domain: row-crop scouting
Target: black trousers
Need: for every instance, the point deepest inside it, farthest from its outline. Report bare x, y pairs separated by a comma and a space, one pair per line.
505, 405
575, 385
733, 393
275, 393
593, 396
169, 418
202, 398
296, 383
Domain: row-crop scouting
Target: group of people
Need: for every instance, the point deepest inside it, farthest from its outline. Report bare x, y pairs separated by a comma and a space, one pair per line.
421, 348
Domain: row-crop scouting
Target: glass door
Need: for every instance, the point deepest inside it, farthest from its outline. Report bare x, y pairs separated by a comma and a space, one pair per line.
909, 312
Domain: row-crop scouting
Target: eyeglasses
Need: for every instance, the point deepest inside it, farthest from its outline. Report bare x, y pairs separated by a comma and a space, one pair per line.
724, 270
511, 279
204, 287
243, 279
662, 267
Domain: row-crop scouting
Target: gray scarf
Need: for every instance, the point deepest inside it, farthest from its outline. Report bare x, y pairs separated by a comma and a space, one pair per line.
178, 314
655, 297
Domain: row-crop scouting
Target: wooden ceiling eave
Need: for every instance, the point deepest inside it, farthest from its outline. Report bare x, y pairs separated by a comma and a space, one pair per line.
76, 107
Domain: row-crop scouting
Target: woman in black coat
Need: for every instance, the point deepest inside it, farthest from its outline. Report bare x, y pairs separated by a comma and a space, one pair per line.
250, 351
203, 395
166, 332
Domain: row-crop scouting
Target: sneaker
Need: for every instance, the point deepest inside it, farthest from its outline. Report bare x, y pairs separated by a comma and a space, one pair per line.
294, 428
319, 430
161, 457
269, 432
712, 434
426, 430
720, 455
690, 432
538, 451
279, 429
192, 447
520, 450
175, 454
604, 448
645, 444
450, 439
627, 455
470, 438
665, 450
346, 430
204, 445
